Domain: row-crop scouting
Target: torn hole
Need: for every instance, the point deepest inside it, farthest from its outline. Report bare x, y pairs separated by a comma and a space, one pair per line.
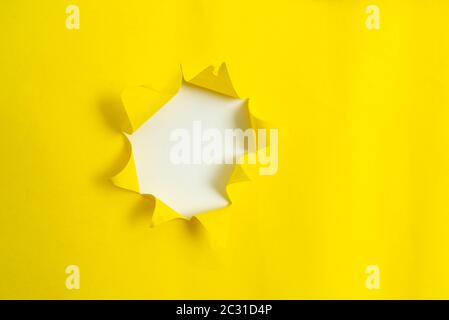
189, 186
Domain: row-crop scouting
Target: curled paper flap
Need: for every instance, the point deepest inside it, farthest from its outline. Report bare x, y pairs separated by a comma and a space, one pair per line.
217, 224
141, 103
219, 82
127, 178
163, 213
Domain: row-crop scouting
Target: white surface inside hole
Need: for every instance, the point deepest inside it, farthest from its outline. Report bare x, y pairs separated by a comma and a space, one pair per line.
187, 188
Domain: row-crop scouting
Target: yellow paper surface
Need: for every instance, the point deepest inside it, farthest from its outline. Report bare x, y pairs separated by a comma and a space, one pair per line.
363, 151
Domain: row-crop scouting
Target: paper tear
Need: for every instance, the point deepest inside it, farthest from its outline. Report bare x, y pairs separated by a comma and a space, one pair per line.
141, 103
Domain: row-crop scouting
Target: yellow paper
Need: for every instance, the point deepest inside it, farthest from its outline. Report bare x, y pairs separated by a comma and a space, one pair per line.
363, 149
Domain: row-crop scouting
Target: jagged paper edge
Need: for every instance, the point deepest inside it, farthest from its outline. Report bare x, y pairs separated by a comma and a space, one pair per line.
216, 222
